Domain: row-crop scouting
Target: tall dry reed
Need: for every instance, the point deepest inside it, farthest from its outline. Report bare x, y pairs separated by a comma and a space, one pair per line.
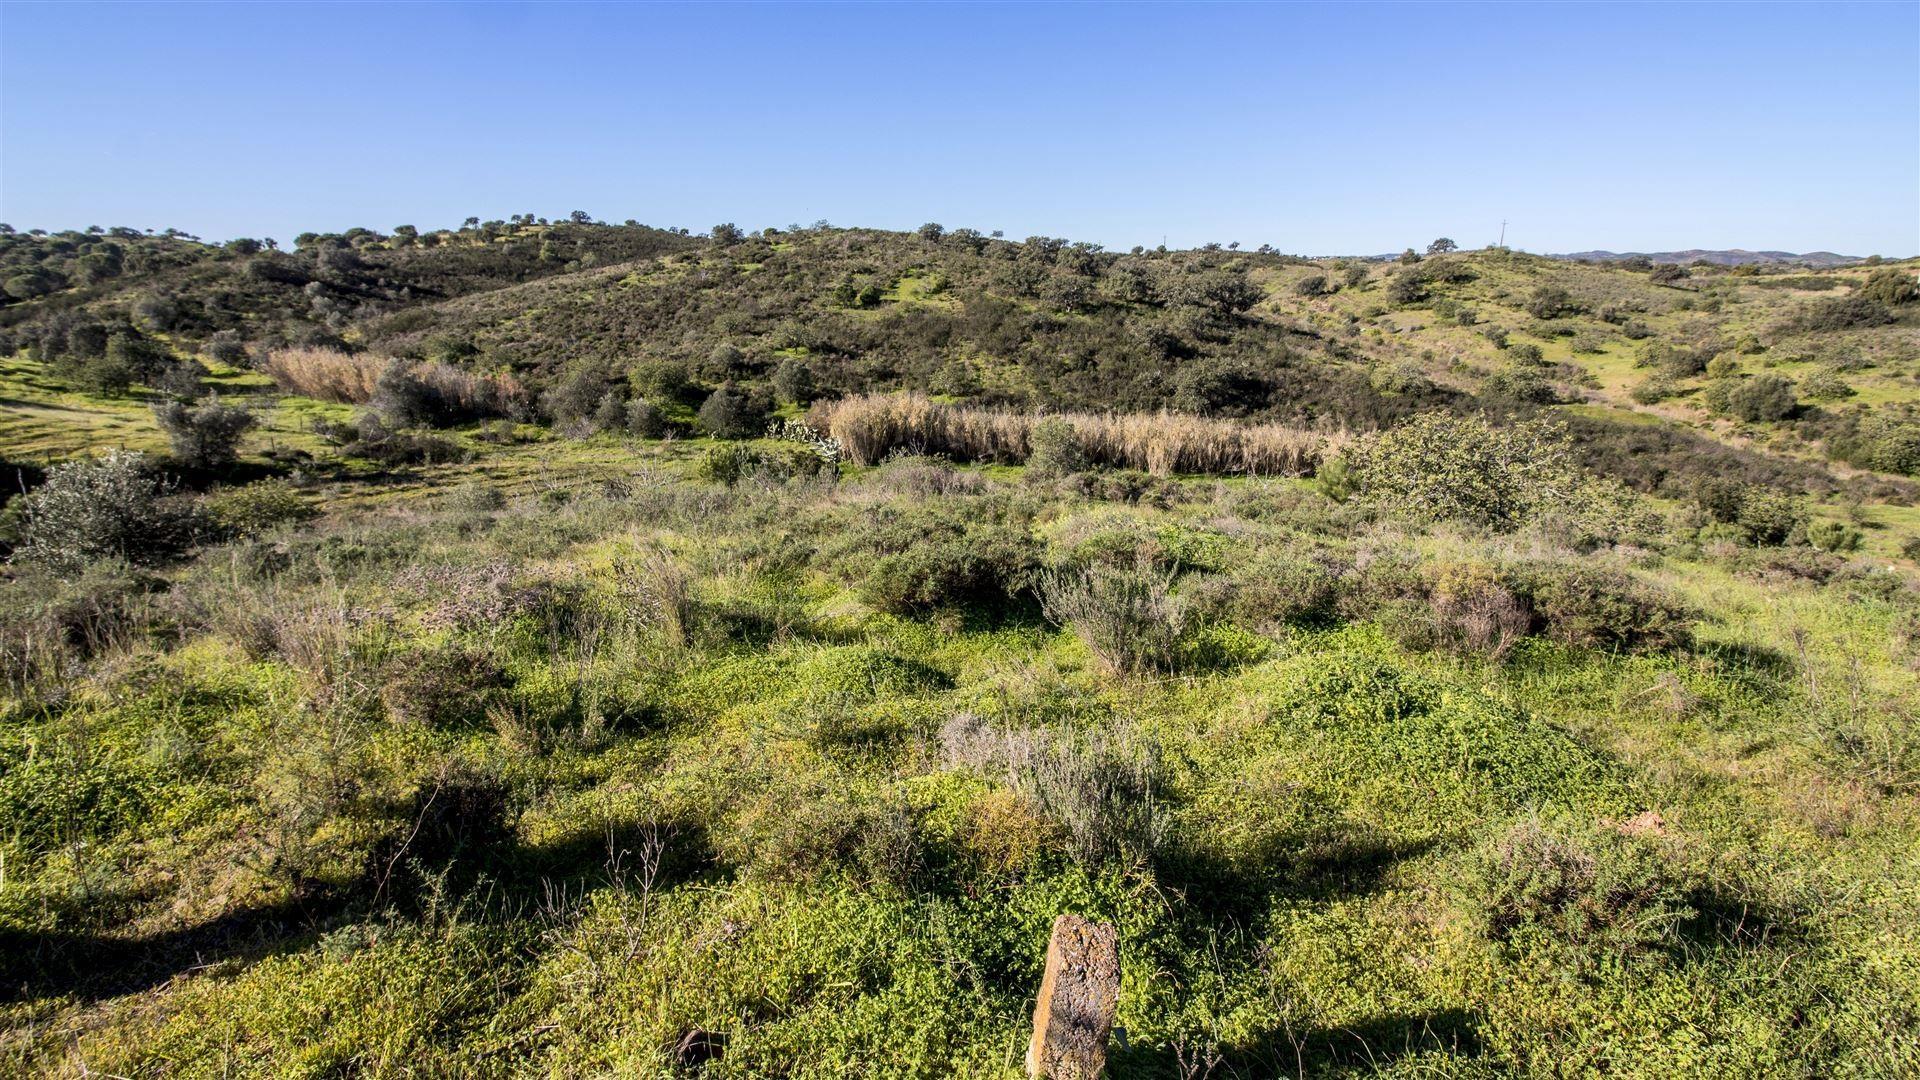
873, 425
326, 374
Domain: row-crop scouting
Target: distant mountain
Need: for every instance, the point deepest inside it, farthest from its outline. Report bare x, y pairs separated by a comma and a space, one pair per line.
1732, 257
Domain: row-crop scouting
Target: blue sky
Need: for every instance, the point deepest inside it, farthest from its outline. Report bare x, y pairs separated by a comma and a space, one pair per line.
1316, 128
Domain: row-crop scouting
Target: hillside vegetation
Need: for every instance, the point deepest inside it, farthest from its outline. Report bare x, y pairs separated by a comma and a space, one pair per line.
573, 649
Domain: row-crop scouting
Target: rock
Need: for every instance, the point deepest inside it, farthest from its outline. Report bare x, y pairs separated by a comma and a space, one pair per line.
698, 1047
1078, 995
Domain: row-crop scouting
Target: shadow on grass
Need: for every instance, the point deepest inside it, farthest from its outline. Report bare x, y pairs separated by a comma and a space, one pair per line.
1364, 1048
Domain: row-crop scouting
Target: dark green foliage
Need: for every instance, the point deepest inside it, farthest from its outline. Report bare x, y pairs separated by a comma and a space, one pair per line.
793, 381
644, 420
204, 436
1549, 302
731, 412
1757, 514
1053, 449
1891, 288
1755, 399
946, 554
1842, 313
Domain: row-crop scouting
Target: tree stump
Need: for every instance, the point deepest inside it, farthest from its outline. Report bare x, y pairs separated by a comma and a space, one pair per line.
1074, 1016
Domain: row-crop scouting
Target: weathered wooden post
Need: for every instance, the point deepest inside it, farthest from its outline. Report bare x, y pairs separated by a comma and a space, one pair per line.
1078, 995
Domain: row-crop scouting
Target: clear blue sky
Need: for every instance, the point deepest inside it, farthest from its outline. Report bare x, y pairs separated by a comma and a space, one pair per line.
1320, 129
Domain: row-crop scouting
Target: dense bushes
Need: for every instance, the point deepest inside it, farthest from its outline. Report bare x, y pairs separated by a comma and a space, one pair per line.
948, 554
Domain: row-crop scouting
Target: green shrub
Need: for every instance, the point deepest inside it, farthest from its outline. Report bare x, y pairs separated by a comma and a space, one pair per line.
1837, 536
1599, 607
1891, 287
108, 507
938, 557
644, 420
255, 508
1053, 449
1825, 384
1593, 889
1755, 399
1438, 467
440, 686
732, 413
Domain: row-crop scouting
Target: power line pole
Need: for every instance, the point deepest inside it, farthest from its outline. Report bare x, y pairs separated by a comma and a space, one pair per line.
1503, 233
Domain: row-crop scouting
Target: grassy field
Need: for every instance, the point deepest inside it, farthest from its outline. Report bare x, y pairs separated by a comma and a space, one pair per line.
537, 762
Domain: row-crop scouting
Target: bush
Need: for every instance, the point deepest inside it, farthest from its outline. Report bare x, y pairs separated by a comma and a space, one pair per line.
105, 508
1598, 607
255, 508
1129, 618
1842, 313
943, 555
1053, 449
732, 413
1825, 384
1836, 536
1550, 302
1437, 467
1755, 399
1593, 889
645, 420
1312, 285
1891, 287
203, 436
440, 687
793, 381
1759, 515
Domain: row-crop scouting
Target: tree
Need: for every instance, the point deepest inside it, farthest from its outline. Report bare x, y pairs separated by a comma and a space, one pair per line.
580, 217
1442, 246
727, 234
732, 413
932, 231
793, 381
206, 435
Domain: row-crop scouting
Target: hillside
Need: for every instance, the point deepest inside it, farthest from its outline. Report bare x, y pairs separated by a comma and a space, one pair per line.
1722, 257
583, 650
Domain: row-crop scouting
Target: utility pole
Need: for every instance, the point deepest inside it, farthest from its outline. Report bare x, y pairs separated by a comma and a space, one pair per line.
1503, 233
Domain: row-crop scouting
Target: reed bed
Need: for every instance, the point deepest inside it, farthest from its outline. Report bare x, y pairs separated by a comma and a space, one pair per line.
326, 374
354, 378
871, 426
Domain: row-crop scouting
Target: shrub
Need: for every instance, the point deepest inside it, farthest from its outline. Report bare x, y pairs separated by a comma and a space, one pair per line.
946, 554
1891, 287
660, 380
1438, 467
732, 413
1312, 285
1755, 399
1476, 608
645, 420
1836, 536
1842, 313
108, 507
1550, 302
1129, 618
793, 381
255, 508
1594, 889
1598, 607
203, 436
1053, 449
1825, 384
440, 687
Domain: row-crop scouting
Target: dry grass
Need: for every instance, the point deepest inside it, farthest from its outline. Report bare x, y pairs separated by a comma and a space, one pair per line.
326, 374
353, 378
871, 426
